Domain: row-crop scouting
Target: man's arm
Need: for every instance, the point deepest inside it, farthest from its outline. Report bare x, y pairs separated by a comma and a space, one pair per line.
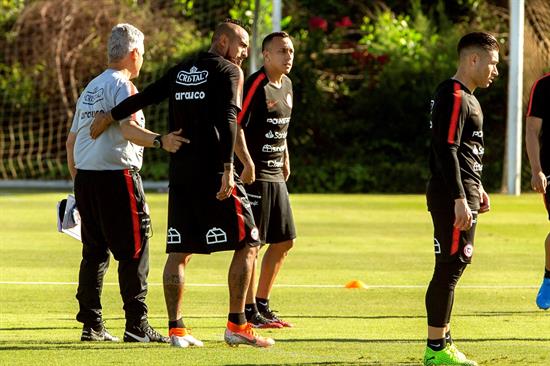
131, 131
451, 118
248, 174
153, 94
532, 143
485, 202
227, 128
286, 162
71, 139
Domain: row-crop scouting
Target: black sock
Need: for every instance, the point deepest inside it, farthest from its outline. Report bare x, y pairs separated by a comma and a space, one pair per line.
546, 273
250, 310
263, 304
436, 344
237, 318
176, 324
448, 338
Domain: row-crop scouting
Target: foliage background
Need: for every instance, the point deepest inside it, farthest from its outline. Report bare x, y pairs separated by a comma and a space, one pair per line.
363, 77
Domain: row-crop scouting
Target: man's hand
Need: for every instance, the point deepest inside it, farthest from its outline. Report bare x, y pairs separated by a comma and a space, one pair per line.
286, 170
248, 176
228, 183
173, 141
100, 123
539, 182
485, 202
463, 215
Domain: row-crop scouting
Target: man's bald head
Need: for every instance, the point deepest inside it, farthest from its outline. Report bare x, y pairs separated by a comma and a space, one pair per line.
230, 40
230, 28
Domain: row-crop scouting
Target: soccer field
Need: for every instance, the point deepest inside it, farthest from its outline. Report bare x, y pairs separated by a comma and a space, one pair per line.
382, 240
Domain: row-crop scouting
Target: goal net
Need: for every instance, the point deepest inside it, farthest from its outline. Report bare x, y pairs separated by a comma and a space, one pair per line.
55, 47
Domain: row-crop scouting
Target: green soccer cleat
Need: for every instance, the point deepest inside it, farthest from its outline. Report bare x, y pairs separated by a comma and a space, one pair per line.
448, 356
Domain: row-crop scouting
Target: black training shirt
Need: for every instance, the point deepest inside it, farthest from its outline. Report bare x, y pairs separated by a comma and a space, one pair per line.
539, 106
265, 118
456, 147
205, 95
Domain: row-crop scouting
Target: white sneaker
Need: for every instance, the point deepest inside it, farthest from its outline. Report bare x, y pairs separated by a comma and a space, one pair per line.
180, 337
180, 342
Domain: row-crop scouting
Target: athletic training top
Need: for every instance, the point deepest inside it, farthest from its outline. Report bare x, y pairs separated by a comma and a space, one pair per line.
204, 95
264, 119
110, 151
456, 147
539, 106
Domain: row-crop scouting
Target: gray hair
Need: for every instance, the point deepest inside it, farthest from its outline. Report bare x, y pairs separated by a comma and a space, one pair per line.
124, 38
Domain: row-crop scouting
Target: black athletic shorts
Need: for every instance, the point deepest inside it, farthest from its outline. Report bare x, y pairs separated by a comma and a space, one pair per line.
199, 223
113, 211
449, 242
271, 206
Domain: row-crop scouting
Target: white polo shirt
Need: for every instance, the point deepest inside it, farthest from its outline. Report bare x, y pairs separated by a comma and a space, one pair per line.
110, 151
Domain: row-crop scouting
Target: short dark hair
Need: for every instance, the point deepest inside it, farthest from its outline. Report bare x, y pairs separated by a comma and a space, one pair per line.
270, 37
478, 39
236, 22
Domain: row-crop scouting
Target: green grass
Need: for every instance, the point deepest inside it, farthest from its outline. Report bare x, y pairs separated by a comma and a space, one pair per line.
383, 240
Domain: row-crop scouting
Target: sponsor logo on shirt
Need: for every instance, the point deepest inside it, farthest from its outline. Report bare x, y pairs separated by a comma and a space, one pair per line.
274, 164
93, 96
270, 148
279, 121
89, 114
192, 77
189, 95
477, 134
478, 167
276, 135
478, 150
271, 104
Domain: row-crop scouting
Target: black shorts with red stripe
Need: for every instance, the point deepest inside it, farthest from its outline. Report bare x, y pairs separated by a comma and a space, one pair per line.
114, 214
200, 223
451, 244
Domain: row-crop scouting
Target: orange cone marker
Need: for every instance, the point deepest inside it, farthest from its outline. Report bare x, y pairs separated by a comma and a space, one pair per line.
356, 284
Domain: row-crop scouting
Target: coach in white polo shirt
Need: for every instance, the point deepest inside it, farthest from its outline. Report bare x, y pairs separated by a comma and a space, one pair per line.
109, 194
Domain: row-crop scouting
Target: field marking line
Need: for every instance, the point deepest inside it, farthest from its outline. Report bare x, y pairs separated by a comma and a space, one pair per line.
32, 283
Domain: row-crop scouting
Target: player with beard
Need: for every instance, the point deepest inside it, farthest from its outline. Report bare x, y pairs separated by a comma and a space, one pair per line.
208, 210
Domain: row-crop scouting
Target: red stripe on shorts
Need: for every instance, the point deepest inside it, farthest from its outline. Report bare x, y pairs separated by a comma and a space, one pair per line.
239, 211
454, 244
133, 213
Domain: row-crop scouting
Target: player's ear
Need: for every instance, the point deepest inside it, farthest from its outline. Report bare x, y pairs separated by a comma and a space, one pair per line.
475, 58
224, 41
134, 54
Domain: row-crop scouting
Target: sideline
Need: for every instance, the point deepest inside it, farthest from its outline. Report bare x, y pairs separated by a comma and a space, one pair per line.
282, 285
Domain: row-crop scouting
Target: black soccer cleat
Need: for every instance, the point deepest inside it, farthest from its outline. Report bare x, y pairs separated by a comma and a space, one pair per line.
97, 334
271, 316
144, 333
259, 321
